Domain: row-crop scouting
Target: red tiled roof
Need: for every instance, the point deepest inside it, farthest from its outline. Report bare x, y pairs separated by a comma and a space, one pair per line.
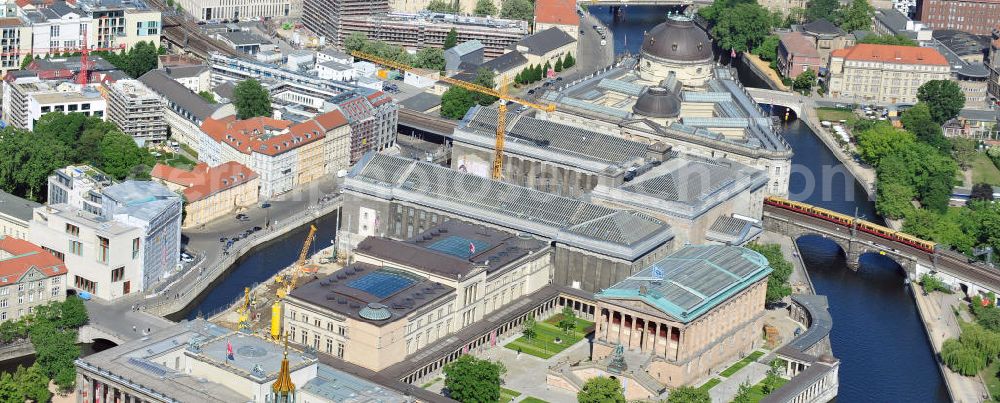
331, 120
891, 54
559, 12
799, 45
25, 256
202, 181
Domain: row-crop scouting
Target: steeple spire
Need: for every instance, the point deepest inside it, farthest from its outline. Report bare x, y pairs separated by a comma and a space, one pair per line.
283, 390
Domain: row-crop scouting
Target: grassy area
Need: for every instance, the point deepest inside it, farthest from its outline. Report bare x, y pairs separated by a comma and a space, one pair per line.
507, 395
757, 391
834, 114
431, 383
543, 345
991, 375
742, 363
983, 170
189, 150
582, 325
176, 161
531, 399
710, 384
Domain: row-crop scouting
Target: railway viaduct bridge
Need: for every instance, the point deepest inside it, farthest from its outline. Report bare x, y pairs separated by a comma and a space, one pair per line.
954, 269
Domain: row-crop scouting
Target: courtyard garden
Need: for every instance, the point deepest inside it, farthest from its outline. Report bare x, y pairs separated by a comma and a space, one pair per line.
555, 334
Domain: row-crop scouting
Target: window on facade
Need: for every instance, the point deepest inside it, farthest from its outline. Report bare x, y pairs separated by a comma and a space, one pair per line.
316, 341
135, 247
118, 274
76, 248
340, 350
72, 229
103, 249
3, 303
329, 346
55, 290
54, 30
342, 330
305, 337
84, 284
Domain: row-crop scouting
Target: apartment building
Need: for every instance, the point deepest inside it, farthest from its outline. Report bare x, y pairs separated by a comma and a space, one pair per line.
796, 54
26, 98
210, 192
121, 23
29, 277
137, 110
373, 117
116, 239
15, 214
993, 63
185, 110
324, 17
282, 153
426, 29
973, 16
207, 10
399, 298
58, 28
15, 43
884, 73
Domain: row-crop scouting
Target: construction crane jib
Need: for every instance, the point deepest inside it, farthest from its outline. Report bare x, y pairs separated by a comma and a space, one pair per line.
501, 94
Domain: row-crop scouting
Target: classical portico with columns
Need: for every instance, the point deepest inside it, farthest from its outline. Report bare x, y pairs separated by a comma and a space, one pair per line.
686, 316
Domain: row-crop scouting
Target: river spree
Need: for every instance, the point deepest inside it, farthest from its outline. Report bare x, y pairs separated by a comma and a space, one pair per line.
877, 334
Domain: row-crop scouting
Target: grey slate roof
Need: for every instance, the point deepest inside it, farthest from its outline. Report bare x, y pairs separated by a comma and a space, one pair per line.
16, 207
421, 102
186, 71
732, 231
822, 322
546, 41
174, 92
822, 26
505, 62
466, 47
242, 38
141, 199
622, 234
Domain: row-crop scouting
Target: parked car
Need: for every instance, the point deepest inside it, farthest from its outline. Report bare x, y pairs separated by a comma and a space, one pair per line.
223, 239
257, 228
242, 217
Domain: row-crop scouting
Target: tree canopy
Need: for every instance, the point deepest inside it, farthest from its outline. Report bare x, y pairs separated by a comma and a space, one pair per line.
777, 283
601, 390
899, 40
469, 379
517, 10
981, 191
857, 16
944, 98
251, 99
740, 27
919, 121
138, 60
804, 82
451, 39
822, 9
485, 7
455, 102
443, 6
429, 58
688, 394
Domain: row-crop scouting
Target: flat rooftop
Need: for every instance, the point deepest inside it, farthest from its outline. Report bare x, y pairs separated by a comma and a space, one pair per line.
85, 218
693, 280
454, 249
373, 294
622, 234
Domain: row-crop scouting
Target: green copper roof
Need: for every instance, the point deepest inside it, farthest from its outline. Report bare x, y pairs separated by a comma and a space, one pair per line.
692, 280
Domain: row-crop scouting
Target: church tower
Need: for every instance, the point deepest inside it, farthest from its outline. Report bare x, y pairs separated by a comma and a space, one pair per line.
283, 390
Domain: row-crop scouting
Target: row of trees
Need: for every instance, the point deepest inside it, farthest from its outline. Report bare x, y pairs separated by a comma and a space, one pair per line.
138, 60
777, 282
426, 58
851, 17
64, 139
456, 101
974, 349
511, 9
535, 72
899, 40
52, 331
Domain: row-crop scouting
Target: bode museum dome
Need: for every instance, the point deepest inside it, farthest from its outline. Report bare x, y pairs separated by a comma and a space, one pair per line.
677, 45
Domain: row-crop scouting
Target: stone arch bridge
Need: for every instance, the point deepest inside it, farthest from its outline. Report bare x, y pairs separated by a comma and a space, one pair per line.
953, 268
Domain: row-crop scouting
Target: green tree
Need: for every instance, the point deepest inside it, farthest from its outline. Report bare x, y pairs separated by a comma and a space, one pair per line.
568, 61
804, 82
484, 77
918, 121
777, 282
142, 58
768, 49
742, 27
429, 58
517, 10
63, 127
451, 40
455, 102
857, 16
251, 99
529, 327
961, 359
72, 313
880, 141
963, 150
485, 7
568, 321
601, 390
822, 9
27, 161
744, 394
120, 154
894, 200
559, 65
944, 98
26, 61
546, 68
208, 96
469, 379
442, 6
10, 390
898, 40
34, 385
772, 381
355, 41
688, 394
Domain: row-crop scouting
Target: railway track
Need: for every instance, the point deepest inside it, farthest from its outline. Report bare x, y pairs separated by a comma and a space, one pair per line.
187, 35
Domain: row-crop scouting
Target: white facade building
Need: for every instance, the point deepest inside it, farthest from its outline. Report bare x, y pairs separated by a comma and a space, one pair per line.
26, 99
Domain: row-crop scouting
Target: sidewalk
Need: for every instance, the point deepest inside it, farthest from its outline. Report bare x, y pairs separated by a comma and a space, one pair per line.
939, 320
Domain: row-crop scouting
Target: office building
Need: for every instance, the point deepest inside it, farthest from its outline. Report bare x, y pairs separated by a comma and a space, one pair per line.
196, 78
891, 22
973, 16
198, 361
884, 73
427, 29
26, 98
184, 110
210, 192
242, 10
325, 17
137, 110
29, 277
399, 298
966, 55
15, 43
116, 239
373, 118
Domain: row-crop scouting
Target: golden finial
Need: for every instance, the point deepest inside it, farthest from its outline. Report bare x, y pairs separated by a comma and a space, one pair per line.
283, 385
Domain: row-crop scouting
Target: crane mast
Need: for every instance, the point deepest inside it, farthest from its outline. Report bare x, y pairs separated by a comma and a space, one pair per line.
287, 285
502, 94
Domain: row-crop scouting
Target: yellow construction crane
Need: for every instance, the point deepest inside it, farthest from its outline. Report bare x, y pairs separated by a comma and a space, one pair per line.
244, 310
286, 286
502, 94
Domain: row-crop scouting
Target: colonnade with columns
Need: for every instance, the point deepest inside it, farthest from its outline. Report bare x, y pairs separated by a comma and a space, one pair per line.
639, 332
